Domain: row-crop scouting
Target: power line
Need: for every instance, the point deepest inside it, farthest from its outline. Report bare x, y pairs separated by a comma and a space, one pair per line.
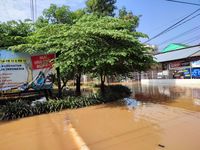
184, 2
190, 40
167, 24
174, 25
185, 21
182, 34
198, 39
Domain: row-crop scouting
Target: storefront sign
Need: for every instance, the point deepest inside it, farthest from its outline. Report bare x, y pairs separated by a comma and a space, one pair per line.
19, 72
179, 64
186, 73
175, 64
185, 64
195, 72
196, 64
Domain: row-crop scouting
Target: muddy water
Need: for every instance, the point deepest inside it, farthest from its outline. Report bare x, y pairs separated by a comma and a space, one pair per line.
166, 118
182, 97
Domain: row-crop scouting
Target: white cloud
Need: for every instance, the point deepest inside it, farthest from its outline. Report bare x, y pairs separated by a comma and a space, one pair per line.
20, 9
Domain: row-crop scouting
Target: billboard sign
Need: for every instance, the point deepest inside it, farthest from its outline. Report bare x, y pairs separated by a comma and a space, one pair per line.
20, 71
42, 66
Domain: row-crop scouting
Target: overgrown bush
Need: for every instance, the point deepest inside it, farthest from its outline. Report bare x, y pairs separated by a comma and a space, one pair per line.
17, 109
20, 109
116, 92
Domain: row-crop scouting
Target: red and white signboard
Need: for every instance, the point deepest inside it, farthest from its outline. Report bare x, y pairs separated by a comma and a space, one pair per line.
42, 66
42, 61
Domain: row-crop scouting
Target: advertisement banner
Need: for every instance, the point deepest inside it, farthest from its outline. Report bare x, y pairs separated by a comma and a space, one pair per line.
20, 71
195, 72
15, 70
42, 66
186, 73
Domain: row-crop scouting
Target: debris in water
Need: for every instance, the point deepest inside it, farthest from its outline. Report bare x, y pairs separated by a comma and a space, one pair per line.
41, 100
131, 103
161, 145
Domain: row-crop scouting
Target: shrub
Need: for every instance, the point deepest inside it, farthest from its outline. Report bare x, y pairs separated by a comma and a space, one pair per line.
20, 109
116, 92
17, 109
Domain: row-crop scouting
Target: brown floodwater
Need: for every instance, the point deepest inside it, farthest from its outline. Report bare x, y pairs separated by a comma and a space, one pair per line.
158, 118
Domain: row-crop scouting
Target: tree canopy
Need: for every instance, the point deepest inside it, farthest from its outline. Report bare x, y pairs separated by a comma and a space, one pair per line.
55, 14
58, 15
13, 32
101, 7
101, 45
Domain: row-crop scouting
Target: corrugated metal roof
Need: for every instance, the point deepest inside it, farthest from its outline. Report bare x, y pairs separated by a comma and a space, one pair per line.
176, 55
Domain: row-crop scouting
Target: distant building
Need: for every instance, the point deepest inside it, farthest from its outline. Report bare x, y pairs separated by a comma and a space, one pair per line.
179, 63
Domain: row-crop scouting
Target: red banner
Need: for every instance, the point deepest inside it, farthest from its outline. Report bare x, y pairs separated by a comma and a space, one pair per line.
42, 61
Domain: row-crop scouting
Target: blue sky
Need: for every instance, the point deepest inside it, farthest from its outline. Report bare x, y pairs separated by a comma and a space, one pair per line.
157, 15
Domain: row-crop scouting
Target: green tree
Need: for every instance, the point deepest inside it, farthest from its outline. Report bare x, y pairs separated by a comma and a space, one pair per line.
14, 32
59, 15
101, 7
76, 15
41, 22
128, 15
56, 15
99, 45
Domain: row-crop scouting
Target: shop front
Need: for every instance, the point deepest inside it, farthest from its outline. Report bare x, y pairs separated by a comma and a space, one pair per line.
180, 70
183, 69
195, 69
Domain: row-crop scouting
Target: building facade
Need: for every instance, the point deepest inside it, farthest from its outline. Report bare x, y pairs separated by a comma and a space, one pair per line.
180, 64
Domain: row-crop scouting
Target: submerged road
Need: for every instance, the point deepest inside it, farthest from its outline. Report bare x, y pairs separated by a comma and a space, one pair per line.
157, 125
109, 126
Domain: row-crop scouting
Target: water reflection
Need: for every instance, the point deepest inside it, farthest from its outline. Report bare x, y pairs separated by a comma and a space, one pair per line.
184, 97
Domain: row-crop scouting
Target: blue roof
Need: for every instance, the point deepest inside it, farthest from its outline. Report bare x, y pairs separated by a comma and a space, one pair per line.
178, 54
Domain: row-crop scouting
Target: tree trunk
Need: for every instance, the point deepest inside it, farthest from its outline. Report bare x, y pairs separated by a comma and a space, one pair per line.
102, 83
58, 80
64, 83
78, 84
59, 83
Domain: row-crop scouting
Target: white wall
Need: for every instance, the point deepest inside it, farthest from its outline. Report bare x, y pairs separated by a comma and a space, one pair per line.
172, 82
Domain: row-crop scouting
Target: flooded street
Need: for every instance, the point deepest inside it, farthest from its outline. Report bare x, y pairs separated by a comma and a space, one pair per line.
157, 118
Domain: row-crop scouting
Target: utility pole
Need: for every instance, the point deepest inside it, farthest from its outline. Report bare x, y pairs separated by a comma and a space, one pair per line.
33, 10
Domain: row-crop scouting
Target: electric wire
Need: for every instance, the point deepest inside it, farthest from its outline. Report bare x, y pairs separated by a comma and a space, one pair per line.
190, 40
181, 35
185, 21
183, 2
182, 21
